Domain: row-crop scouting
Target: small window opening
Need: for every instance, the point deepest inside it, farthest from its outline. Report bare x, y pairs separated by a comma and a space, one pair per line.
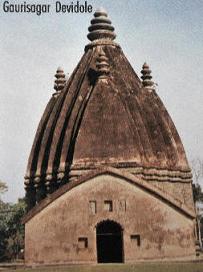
136, 238
108, 205
82, 242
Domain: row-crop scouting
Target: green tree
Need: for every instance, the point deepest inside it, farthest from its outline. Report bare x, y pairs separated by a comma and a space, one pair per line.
3, 229
15, 229
197, 192
3, 188
3, 234
11, 229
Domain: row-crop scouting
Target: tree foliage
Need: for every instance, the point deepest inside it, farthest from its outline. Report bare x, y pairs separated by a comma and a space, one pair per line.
3, 229
11, 229
197, 192
3, 187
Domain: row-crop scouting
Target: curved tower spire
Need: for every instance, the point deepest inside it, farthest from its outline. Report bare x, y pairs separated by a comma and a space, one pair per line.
105, 116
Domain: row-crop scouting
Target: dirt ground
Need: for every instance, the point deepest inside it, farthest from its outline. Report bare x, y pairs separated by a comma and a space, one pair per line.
141, 267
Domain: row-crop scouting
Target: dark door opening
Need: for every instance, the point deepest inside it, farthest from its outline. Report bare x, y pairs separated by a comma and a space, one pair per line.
109, 242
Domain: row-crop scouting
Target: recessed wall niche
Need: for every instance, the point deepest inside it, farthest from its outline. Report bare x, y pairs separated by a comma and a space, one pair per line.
136, 239
82, 242
108, 205
93, 206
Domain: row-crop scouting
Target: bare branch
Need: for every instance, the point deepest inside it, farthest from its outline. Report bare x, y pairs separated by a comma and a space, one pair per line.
197, 169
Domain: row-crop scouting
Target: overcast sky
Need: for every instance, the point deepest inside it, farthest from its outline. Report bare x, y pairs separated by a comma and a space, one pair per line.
168, 34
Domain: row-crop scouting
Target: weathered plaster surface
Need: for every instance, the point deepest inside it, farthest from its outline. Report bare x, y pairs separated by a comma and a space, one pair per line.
52, 234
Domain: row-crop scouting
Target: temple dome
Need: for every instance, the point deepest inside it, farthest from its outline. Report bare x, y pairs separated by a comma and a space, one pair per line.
105, 116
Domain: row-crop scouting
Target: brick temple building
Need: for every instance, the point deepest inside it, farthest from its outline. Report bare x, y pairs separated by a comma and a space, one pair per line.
107, 178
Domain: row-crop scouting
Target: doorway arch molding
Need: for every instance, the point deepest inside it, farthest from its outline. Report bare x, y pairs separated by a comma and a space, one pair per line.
109, 220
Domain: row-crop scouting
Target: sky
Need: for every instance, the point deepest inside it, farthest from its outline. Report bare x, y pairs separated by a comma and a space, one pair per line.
168, 34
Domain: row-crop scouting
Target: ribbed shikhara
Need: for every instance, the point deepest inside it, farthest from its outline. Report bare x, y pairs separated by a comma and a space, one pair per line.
90, 123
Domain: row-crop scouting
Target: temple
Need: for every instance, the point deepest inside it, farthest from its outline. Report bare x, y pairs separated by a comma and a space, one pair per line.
107, 178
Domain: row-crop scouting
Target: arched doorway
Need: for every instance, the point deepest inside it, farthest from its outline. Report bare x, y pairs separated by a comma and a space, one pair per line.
109, 242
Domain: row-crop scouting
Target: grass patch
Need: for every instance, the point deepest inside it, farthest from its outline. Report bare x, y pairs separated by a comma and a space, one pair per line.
142, 267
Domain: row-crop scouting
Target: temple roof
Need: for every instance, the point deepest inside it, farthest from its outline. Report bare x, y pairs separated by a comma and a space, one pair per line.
105, 115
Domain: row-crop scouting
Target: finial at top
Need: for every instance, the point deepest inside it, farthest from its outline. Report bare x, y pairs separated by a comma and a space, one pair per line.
60, 81
100, 11
101, 27
146, 76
